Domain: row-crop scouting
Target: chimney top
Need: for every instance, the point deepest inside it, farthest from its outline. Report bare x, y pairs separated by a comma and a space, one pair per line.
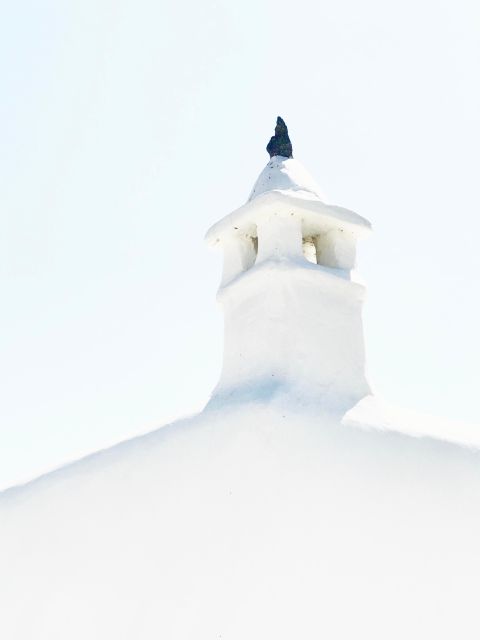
280, 144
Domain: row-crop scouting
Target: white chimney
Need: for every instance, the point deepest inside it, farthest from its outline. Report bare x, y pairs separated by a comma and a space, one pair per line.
293, 309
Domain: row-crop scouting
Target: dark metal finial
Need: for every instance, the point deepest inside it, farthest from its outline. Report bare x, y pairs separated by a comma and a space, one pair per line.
280, 144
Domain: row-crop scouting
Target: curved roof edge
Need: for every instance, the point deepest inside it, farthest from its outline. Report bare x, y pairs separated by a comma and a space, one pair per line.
317, 216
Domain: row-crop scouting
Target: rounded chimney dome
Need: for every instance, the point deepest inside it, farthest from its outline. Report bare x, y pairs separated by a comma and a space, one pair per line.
287, 175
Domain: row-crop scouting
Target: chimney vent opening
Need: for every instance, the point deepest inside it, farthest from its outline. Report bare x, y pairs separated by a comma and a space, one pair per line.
309, 249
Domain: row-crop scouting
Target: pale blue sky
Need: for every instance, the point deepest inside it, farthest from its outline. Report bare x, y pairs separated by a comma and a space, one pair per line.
129, 127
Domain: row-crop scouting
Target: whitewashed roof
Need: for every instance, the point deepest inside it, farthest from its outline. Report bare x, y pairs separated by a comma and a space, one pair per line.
285, 187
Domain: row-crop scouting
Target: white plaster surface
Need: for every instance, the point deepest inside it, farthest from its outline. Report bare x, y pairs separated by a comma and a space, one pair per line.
286, 174
261, 520
296, 505
285, 188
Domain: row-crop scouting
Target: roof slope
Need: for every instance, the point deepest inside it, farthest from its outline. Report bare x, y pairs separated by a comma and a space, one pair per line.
252, 522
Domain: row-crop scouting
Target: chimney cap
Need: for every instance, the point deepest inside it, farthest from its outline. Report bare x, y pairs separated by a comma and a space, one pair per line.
280, 144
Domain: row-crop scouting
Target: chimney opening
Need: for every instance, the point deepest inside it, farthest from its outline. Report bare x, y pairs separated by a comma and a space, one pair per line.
255, 247
249, 251
309, 249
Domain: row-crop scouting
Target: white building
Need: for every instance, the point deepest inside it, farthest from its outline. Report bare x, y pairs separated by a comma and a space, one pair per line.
295, 505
